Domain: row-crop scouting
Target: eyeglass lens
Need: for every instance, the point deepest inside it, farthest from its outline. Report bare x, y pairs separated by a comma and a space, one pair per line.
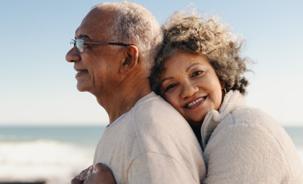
78, 43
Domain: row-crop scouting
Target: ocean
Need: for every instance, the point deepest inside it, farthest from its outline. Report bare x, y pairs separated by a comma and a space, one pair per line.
56, 153
46, 153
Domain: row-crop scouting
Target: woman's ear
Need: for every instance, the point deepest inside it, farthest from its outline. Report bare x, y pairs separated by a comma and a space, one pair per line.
131, 59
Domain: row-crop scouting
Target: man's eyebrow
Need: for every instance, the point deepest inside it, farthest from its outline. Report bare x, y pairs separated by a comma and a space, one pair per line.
82, 36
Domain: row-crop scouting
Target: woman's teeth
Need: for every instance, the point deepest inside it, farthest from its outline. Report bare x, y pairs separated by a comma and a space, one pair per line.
195, 103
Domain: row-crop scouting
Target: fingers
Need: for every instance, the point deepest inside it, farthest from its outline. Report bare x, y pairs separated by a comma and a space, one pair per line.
100, 167
76, 181
80, 178
100, 174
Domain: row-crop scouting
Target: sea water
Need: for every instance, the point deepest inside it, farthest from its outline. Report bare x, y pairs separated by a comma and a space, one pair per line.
47, 153
56, 154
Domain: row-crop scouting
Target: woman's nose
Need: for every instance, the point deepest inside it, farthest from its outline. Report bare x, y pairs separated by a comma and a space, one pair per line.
72, 55
189, 90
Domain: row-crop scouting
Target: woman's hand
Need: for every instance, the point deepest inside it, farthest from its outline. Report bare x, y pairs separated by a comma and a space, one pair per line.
98, 174
79, 179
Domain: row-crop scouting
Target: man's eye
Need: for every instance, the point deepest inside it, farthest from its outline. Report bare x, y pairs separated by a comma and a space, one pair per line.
85, 45
85, 42
197, 73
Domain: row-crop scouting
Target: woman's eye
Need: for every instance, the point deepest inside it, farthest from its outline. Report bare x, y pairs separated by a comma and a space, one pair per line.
197, 73
169, 87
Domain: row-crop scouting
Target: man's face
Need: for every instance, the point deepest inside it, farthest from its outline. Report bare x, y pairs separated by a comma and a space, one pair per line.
96, 65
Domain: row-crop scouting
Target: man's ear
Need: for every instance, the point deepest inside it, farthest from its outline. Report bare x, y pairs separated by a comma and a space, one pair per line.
130, 60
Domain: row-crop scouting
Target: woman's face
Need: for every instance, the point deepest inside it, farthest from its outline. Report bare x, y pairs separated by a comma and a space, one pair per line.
190, 84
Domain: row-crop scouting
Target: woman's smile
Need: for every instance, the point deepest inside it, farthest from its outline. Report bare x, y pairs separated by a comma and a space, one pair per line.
195, 103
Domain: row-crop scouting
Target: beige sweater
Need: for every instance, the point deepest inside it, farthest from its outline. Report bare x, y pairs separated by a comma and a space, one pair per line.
243, 145
151, 144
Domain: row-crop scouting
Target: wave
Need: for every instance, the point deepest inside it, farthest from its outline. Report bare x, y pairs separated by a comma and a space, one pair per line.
300, 150
52, 161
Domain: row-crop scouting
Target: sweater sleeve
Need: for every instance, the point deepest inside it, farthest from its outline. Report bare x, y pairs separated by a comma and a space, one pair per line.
243, 153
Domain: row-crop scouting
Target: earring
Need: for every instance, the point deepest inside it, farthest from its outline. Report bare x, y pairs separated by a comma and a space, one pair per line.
224, 91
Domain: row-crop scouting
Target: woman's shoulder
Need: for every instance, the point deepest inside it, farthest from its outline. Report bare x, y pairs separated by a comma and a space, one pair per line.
255, 126
239, 121
250, 117
247, 123
234, 112
255, 136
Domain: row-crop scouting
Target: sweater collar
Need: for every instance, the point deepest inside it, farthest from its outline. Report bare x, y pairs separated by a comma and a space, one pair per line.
232, 100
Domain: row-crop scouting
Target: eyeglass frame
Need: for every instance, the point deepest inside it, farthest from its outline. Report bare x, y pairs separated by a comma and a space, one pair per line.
80, 43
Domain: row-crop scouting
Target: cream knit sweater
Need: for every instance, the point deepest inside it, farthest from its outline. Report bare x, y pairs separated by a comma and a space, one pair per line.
243, 145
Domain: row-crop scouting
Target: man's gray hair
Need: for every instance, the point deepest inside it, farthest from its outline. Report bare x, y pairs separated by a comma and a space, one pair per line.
135, 24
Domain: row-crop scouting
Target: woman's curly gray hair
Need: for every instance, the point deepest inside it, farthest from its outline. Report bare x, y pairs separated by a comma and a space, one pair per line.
208, 37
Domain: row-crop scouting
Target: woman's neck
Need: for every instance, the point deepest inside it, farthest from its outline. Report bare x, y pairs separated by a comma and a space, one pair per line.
197, 130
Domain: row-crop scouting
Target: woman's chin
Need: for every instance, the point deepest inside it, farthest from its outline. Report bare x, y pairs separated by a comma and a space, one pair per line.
195, 118
195, 121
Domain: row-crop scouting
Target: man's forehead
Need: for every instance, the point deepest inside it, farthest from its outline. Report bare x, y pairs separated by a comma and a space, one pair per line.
95, 21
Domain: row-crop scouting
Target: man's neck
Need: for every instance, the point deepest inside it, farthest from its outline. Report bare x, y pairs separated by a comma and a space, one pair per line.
123, 99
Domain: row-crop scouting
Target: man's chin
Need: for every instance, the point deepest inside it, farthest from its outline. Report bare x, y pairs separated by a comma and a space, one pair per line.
82, 88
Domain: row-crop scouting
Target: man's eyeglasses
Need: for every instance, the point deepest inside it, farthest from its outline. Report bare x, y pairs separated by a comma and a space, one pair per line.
81, 43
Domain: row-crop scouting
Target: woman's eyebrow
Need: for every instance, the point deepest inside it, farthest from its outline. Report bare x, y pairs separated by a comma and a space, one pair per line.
192, 65
166, 78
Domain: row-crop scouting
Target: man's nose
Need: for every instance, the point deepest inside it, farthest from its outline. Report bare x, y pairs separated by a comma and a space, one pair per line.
72, 55
189, 89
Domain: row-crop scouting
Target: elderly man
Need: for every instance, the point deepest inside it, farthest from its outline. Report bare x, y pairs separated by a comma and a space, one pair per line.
146, 141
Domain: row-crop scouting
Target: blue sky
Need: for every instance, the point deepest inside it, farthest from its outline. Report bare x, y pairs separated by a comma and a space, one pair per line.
38, 85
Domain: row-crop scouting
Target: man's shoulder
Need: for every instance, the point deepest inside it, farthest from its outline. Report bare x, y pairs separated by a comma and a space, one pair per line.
152, 116
155, 109
159, 128
150, 99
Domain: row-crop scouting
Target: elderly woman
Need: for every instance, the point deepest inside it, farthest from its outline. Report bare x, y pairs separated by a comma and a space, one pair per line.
200, 72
